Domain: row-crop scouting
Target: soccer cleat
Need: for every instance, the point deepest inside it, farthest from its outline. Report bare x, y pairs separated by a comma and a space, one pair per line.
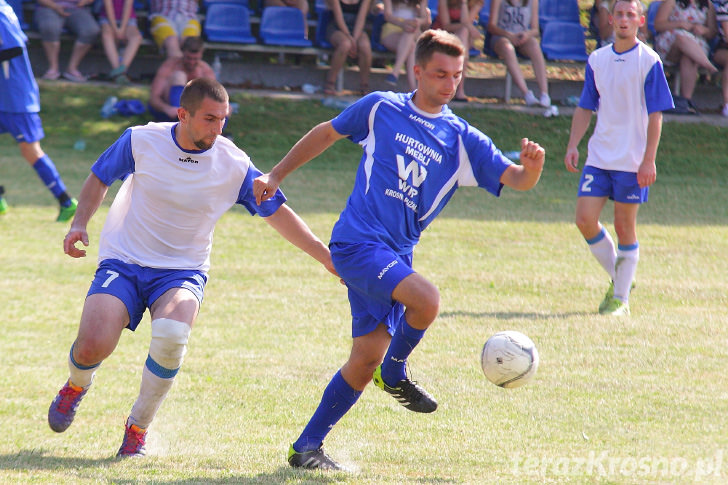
66, 213
530, 98
133, 444
408, 393
63, 407
3, 206
609, 295
312, 460
616, 308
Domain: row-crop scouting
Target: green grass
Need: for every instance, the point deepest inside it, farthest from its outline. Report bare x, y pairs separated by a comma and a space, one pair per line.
639, 400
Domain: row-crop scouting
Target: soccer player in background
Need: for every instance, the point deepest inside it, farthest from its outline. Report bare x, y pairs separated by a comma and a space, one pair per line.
19, 108
416, 154
625, 84
154, 249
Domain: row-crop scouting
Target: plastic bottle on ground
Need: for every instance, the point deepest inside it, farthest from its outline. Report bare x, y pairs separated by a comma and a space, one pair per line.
109, 108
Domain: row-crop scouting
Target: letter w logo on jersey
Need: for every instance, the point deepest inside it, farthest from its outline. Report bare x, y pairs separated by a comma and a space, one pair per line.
419, 174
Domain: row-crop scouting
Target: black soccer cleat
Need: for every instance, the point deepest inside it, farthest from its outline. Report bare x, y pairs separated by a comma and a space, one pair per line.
408, 393
313, 460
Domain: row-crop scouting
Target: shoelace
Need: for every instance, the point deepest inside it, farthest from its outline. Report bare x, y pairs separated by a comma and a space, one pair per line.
132, 442
68, 399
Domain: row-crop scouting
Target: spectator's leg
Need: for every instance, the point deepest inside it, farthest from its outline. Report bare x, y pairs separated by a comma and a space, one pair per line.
688, 77
342, 45
464, 36
50, 25
692, 49
109, 43
83, 24
532, 50
507, 52
364, 48
134, 41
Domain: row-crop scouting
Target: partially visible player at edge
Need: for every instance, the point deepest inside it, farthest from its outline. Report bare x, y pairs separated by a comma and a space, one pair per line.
416, 154
19, 108
625, 84
154, 249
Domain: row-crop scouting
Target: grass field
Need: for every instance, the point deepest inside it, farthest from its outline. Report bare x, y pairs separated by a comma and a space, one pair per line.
637, 400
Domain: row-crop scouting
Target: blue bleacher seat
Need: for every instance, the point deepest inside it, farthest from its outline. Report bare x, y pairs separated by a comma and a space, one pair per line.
561, 10
228, 22
433, 5
283, 26
17, 6
651, 14
563, 41
249, 4
324, 17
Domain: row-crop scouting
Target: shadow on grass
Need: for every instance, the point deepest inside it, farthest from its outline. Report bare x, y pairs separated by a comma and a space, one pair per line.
41, 459
514, 315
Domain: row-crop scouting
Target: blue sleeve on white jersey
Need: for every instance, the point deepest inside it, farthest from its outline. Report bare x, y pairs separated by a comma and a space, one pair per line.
657, 91
354, 120
116, 162
589, 95
247, 199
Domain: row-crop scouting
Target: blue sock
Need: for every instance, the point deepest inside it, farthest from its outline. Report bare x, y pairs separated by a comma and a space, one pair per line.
47, 172
404, 340
338, 398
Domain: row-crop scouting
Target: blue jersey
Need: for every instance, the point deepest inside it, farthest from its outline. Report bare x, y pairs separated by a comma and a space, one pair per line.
18, 89
412, 164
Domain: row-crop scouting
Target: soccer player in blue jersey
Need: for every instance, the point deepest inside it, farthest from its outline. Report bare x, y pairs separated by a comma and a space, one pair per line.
154, 249
416, 154
625, 84
19, 107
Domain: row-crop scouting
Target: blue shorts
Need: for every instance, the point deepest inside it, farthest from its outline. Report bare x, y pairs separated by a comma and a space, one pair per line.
24, 127
371, 271
618, 186
139, 287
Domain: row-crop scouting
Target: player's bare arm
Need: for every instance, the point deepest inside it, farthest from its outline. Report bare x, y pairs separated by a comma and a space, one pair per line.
296, 231
526, 175
89, 200
579, 125
647, 173
313, 144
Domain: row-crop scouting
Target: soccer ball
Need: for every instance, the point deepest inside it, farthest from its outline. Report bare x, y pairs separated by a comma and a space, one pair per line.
509, 359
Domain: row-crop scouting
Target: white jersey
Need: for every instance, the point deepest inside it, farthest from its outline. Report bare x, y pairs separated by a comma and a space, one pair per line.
165, 211
623, 88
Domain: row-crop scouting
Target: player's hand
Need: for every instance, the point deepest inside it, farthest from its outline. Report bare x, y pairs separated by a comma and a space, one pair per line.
532, 155
264, 187
647, 174
571, 160
69, 242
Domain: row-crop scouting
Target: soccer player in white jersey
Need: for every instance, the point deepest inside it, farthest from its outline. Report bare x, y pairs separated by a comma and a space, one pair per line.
154, 250
625, 84
416, 154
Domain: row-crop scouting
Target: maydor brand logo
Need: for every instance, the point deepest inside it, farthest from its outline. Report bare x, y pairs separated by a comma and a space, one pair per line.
385, 269
421, 121
188, 160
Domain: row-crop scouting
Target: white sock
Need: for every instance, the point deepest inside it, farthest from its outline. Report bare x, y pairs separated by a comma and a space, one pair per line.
81, 375
625, 269
602, 247
166, 351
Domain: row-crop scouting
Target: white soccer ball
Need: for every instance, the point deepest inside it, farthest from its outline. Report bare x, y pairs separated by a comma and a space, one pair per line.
509, 359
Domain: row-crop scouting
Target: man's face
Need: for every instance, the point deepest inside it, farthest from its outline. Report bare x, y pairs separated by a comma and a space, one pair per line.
203, 128
626, 19
438, 80
190, 60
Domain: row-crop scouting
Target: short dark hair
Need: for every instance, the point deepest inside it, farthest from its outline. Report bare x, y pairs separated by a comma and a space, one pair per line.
640, 6
193, 44
198, 89
432, 41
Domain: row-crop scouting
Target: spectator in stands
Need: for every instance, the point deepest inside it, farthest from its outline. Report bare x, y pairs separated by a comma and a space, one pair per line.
119, 26
301, 5
684, 31
459, 17
346, 33
513, 25
173, 75
405, 20
721, 51
52, 16
601, 27
171, 21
